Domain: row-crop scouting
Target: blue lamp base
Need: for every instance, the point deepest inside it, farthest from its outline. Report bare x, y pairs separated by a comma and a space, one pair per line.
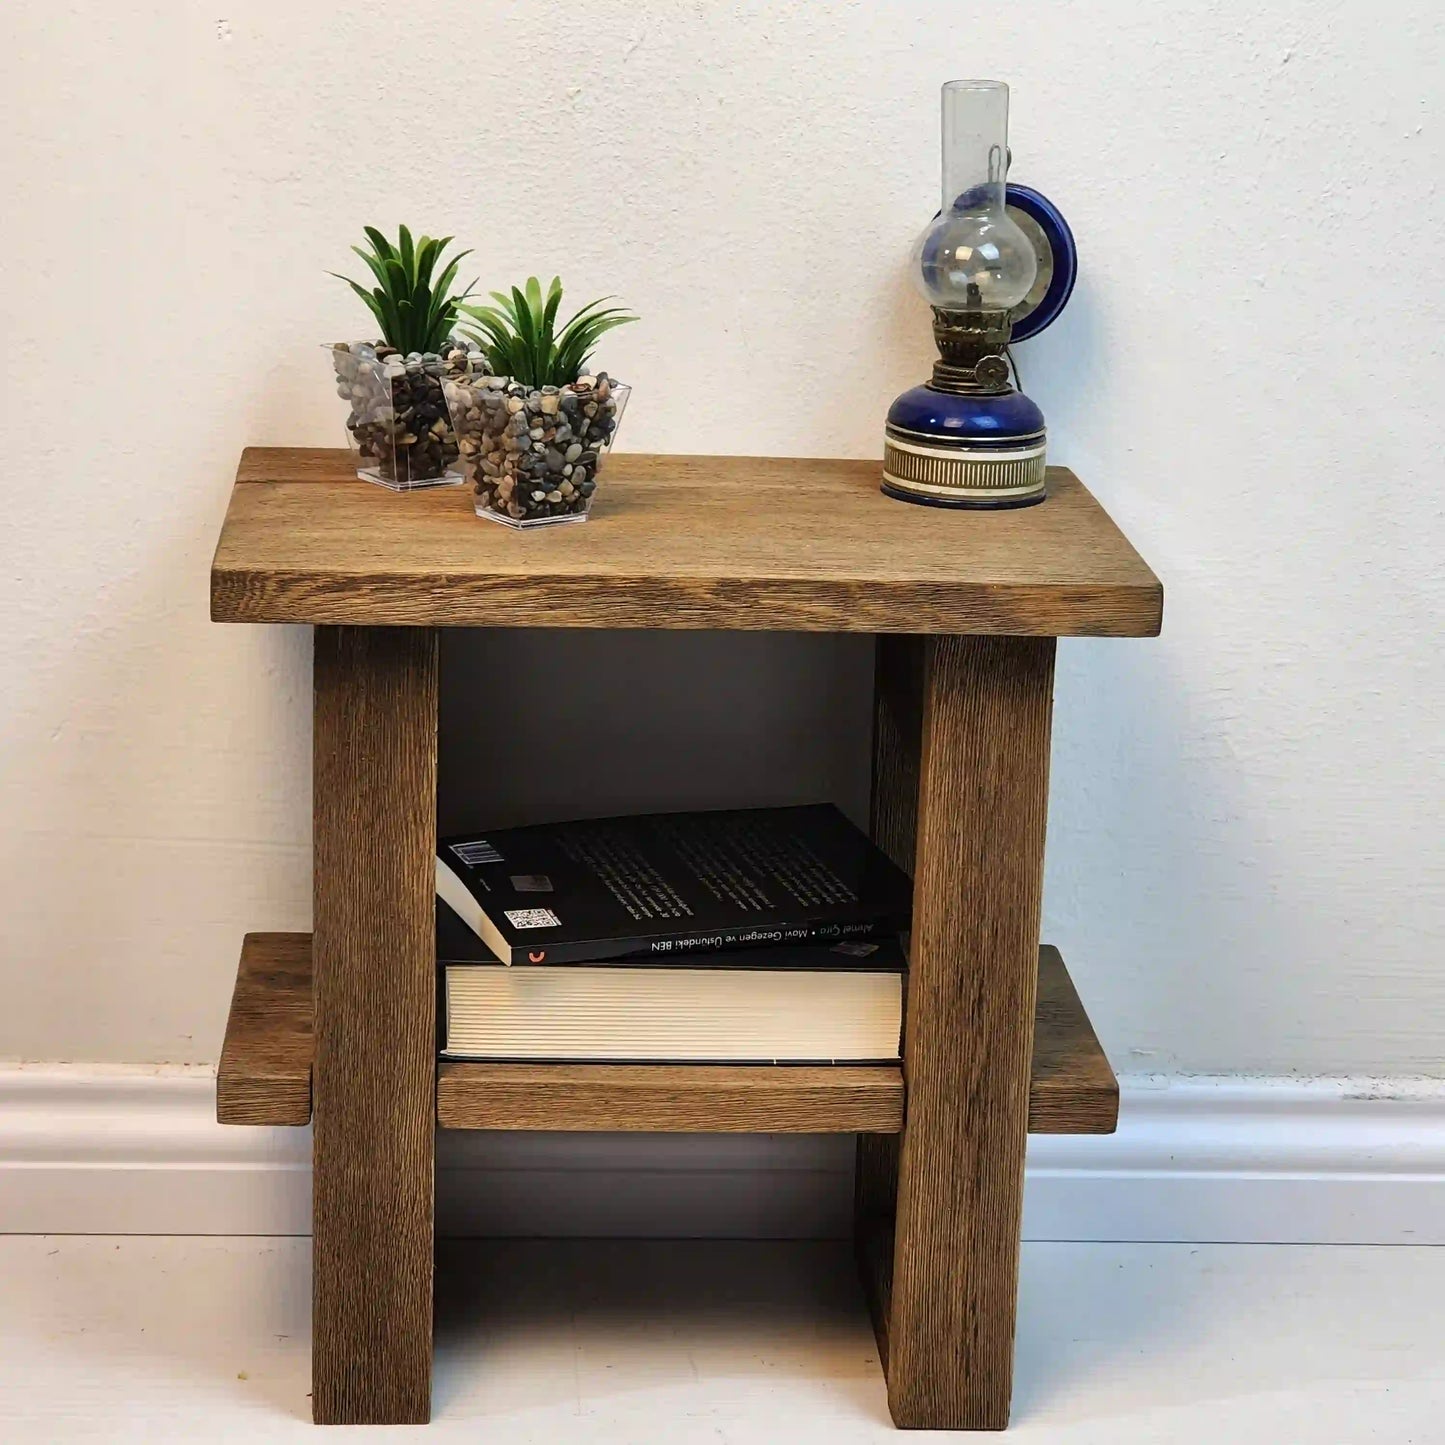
943, 449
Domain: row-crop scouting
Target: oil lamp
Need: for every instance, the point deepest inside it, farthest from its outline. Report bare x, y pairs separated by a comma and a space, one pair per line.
996, 264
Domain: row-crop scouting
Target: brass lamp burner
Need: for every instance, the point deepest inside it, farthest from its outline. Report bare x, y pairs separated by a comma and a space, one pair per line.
972, 351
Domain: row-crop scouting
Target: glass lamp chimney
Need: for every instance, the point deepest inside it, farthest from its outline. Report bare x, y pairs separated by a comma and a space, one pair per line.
974, 257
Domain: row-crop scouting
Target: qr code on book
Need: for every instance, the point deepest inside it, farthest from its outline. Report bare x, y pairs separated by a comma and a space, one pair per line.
533, 918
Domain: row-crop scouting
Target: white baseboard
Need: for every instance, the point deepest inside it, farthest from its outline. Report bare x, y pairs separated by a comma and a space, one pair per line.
137, 1151
1256, 1161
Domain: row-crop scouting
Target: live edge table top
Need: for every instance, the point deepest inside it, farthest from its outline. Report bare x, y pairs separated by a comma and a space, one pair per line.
739, 543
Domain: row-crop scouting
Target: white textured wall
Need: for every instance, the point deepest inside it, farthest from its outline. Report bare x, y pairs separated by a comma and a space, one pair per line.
1245, 858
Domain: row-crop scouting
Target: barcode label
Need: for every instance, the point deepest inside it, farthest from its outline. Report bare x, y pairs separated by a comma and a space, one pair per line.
476, 853
533, 918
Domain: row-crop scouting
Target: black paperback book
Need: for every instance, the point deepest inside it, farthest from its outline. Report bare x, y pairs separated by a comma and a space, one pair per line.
656, 886
459, 947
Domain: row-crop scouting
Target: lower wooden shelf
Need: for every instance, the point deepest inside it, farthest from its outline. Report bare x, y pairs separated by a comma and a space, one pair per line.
671, 1098
264, 1076
265, 1073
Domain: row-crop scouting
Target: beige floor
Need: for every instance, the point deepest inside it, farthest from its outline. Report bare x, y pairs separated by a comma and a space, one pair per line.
157, 1339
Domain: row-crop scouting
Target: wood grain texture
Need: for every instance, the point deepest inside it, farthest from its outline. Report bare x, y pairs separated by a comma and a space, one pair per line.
898, 675
375, 992
264, 1076
873, 1246
670, 1098
898, 678
978, 876
1072, 1088
746, 543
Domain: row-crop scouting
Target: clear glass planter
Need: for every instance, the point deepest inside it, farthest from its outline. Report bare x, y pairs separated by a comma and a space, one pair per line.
400, 427
534, 456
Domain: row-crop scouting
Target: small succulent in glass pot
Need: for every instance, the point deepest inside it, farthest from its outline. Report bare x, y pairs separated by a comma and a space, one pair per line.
534, 432
399, 425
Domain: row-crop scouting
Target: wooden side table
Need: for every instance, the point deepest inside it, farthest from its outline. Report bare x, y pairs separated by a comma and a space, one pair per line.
339, 1027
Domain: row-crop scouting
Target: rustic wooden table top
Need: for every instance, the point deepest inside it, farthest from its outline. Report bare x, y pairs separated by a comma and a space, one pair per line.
748, 543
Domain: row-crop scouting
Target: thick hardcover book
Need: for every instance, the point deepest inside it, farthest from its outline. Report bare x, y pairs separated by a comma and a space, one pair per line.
792, 1004
664, 884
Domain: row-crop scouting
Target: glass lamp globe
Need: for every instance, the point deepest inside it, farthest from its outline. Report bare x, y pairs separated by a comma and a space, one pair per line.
974, 258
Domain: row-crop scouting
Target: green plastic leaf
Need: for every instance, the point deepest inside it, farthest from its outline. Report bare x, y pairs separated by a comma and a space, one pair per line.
549, 315
492, 320
420, 302
390, 316
427, 259
365, 296
379, 243
375, 266
593, 332
592, 308
444, 281
523, 317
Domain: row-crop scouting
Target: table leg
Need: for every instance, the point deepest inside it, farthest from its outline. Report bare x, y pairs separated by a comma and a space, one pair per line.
960, 797
375, 1060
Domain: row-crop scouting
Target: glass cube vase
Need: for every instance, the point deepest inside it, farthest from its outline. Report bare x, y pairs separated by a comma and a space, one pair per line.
534, 455
400, 428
